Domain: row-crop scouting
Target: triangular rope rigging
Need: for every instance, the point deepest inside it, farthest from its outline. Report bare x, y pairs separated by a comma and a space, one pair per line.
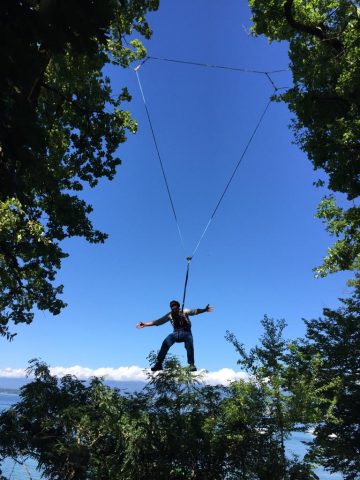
275, 88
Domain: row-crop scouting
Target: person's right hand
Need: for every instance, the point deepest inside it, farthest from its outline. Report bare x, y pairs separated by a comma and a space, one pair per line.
140, 325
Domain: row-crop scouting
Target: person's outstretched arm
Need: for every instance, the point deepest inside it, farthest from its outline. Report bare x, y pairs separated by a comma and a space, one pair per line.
144, 324
154, 323
206, 309
200, 310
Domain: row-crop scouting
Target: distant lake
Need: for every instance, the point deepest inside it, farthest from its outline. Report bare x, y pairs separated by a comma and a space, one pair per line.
10, 469
13, 471
8, 399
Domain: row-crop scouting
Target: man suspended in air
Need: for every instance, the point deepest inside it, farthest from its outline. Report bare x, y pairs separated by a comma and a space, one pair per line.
182, 332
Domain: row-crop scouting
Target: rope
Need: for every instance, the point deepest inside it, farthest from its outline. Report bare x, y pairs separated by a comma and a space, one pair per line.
223, 67
159, 156
186, 281
209, 65
275, 88
234, 172
222, 196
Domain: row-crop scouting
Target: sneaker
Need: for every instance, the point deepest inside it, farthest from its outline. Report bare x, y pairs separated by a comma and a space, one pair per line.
156, 367
192, 367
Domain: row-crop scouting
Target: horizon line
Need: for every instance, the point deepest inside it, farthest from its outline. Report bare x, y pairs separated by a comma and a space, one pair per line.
133, 373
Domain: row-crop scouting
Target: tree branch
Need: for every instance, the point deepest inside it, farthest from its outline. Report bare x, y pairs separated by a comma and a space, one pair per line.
318, 31
34, 91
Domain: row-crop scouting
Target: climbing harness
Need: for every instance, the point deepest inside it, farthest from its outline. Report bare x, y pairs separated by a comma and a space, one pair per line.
267, 74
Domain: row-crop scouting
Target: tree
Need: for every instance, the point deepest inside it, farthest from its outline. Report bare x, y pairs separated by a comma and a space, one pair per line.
70, 429
324, 47
334, 341
175, 428
267, 366
345, 253
60, 126
208, 433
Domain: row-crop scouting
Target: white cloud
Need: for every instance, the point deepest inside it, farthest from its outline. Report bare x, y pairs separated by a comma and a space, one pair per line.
223, 376
121, 374
126, 374
13, 372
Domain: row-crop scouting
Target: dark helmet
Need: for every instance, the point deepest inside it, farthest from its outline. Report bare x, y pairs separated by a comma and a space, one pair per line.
174, 302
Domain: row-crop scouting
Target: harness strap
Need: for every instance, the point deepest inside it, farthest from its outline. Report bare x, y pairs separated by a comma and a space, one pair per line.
188, 259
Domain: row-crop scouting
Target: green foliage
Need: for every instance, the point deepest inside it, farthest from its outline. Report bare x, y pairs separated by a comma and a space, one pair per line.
20, 272
334, 377
345, 253
322, 374
324, 51
176, 428
267, 366
324, 47
60, 125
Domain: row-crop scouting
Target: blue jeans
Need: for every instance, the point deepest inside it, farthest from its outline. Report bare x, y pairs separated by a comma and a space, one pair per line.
178, 336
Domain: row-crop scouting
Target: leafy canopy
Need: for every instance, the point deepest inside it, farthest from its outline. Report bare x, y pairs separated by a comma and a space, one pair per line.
175, 428
60, 126
327, 360
324, 52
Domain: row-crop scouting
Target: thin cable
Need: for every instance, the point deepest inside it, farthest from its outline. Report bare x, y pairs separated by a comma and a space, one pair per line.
209, 65
233, 174
271, 81
275, 88
159, 157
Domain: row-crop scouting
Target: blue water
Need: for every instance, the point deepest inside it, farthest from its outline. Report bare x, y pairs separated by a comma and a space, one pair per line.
7, 399
295, 446
27, 470
10, 469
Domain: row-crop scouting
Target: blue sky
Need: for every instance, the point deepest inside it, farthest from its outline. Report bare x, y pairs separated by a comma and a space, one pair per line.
258, 253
